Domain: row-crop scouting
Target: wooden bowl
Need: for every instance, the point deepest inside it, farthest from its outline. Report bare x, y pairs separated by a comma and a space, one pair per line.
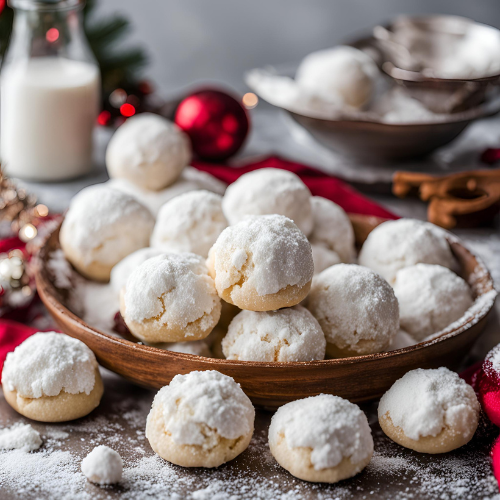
271, 385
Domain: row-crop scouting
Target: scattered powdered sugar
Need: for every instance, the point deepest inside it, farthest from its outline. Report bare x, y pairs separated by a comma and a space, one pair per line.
20, 437
331, 426
189, 180
430, 298
200, 399
332, 229
423, 402
47, 363
278, 255
493, 361
402, 243
269, 191
190, 222
174, 288
103, 465
290, 334
121, 272
354, 306
103, 223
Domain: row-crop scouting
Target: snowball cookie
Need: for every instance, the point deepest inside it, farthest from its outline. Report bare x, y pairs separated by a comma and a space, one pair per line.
343, 75
262, 263
356, 309
202, 419
332, 229
103, 466
430, 411
101, 227
269, 191
149, 151
290, 334
124, 268
190, 180
51, 377
190, 222
197, 347
321, 439
323, 258
170, 298
430, 298
403, 243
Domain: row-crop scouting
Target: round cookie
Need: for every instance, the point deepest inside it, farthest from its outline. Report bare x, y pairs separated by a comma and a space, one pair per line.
262, 264
202, 419
149, 151
190, 179
269, 191
51, 377
342, 75
402, 243
332, 229
197, 347
121, 272
103, 465
429, 411
191, 222
321, 439
170, 298
101, 227
430, 298
323, 258
290, 334
356, 308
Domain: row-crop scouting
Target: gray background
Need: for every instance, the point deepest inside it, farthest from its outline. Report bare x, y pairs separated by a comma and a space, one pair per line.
193, 40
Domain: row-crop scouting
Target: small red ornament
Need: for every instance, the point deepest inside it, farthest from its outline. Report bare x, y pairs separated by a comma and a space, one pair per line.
216, 123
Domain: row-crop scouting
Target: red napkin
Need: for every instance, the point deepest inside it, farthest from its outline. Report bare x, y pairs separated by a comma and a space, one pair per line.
319, 183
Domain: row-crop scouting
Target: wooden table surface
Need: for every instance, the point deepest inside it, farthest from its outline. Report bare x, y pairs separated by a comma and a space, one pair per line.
120, 420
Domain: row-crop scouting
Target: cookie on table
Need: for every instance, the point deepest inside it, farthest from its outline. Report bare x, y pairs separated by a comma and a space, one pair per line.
101, 227
356, 308
52, 377
269, 191
103, 465
290, 334
262, 263
149, 151
170, 298
202, 419
430, 298
430, 411
191, 222
394, 245
323, 439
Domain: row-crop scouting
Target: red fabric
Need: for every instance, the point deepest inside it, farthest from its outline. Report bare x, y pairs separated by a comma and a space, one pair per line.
11, 335
318, 182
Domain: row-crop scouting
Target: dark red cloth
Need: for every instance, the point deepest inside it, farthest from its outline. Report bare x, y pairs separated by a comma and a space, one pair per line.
12, 334
319, 183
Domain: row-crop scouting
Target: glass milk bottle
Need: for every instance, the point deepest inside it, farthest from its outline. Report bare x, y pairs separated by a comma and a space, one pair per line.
50, 92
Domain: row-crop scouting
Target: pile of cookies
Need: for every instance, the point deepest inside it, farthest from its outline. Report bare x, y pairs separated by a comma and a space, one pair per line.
266, 272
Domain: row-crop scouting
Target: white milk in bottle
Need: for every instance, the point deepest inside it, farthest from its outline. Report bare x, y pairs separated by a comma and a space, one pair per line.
48, 110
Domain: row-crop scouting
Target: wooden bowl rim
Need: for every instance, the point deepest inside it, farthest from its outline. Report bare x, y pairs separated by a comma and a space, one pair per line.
49, 297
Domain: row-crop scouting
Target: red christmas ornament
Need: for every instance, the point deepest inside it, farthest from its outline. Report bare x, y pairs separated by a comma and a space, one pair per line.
216, 123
